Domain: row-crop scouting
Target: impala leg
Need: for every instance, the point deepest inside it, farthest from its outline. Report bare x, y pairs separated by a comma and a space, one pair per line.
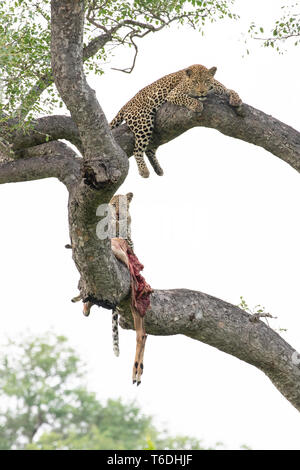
87, 308
86, 305
141, 337
141, 359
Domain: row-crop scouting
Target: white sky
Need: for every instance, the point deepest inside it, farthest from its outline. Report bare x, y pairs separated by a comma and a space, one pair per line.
240, 209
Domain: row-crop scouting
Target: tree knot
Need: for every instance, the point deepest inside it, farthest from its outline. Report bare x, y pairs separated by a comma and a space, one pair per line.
97, 175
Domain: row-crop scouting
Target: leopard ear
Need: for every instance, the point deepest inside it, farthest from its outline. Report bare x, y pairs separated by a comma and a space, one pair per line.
212, 71
129, 197
188, 72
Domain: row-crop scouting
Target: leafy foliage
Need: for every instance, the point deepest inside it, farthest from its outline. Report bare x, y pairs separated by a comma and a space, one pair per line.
45, 405
252, 311
24, 49
40, 379
25, 59
258, 311
286, 28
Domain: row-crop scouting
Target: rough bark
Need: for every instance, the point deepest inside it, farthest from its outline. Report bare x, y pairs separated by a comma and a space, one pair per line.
50, 160
47, 128
255, 127
226, 327
94, 177
104, 167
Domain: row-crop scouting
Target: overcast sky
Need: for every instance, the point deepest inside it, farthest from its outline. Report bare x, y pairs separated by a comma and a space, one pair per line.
239, 206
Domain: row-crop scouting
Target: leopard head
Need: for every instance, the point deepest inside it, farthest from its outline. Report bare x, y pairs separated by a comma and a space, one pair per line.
199, 81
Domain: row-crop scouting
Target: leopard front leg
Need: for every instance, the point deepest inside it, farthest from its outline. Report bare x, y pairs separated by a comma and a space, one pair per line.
181, 99
236, 102
234, 99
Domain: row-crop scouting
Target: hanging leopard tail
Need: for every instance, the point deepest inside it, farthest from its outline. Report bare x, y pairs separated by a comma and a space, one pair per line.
115, 331
117, 120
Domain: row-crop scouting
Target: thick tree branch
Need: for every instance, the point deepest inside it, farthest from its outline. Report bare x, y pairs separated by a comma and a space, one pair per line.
255, 127
105, 164
96, 44
40, 131
67, 66
51, 160
226, 327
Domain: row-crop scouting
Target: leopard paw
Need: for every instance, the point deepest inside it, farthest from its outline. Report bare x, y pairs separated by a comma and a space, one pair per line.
144, 172
234, 99
240, 110
159, 171
197, 107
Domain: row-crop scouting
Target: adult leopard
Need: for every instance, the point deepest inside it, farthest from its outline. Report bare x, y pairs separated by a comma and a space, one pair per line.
187, 87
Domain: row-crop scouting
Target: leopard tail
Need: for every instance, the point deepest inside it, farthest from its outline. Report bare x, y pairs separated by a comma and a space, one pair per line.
117, 120
115, 331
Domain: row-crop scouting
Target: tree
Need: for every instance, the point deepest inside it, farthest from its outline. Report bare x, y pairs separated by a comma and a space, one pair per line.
47, 405
92, 180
